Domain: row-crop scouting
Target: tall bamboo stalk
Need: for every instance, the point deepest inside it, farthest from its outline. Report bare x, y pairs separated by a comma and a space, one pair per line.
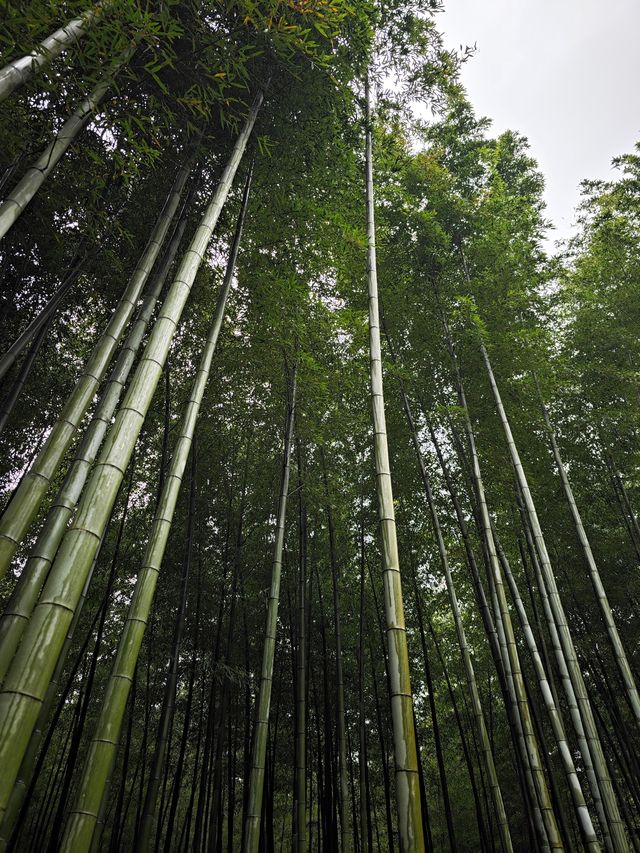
405, 750
363, 781
150, 807
26, 500
600, 593
261, 727
27, 679
25, 594
346, 832
548, 833
564, 747
18, 71
103, 747
565, 679
476, 706
300, 835
619, 842
160, 756
15, 203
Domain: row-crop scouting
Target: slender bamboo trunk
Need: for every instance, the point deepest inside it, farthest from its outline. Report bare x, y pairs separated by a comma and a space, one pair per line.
33, 762
10, 356
102, 750
260, 734
346, 833
365, 806
616, 826
406, 756
424, 802
24, 191
572, 704
496, 643
548, 833
87, 689
121, 812
435, 725
216, 816
330, 833
487, 755
24, 597
17, 72
19, 382
482, 831
231, 777
19, 514
627, 510
483, 604
300, 781
169, 843
585, 823
384, 762
31, 669
143, 840
601, 596
546, 656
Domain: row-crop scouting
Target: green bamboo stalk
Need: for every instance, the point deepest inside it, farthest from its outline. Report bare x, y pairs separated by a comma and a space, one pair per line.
405, 750
546, 826
363, 781
19, 71
563, 671
26, 500
15, 203
476, 706
346, 832
263, 703
564, 747
25, 594
45, 316
594, 573
19, 382
619, 839
31, 669
31, 759
143, 840
89, 800
300, 839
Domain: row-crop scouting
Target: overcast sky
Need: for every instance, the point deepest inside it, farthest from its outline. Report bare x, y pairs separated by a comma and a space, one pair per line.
565, 73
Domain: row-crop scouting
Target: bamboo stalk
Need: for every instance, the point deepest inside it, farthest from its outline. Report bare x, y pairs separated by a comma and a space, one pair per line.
25, 502
27, 679
84, 815
618, 841
17, 72
405, 749
598, 588
25, 594
22, 194
263, 701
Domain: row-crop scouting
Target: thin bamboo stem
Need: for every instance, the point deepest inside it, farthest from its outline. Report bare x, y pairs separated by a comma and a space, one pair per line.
261, 728
17, 72
411, 833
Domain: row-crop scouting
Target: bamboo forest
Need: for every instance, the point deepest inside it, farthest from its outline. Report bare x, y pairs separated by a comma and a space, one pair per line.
319, 461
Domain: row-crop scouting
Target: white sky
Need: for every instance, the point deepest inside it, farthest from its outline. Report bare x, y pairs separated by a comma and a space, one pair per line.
565, 73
